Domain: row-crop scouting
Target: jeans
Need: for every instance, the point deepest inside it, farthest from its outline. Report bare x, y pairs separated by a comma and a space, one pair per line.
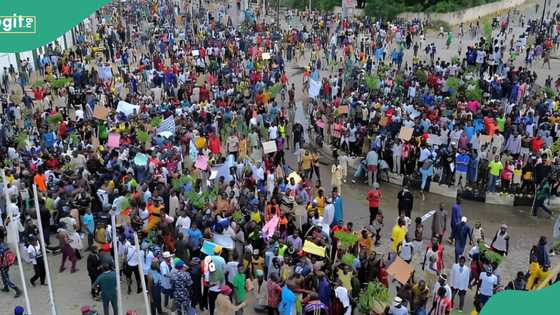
420, 311
155, 305
113, 301
492, 183
8, 284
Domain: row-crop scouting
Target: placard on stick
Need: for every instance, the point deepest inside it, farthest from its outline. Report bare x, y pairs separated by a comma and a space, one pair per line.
435, 139
406, 133
400, 270
269, 147
100, 112
484, 139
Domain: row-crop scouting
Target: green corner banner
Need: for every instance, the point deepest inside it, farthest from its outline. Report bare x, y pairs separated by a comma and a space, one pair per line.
30, 24
511, 302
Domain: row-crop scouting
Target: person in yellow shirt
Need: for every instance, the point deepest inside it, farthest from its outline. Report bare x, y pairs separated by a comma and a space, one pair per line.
534, 274
397, 235
320, 201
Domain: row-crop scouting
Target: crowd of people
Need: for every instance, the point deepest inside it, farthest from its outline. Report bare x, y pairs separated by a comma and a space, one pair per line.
180, 125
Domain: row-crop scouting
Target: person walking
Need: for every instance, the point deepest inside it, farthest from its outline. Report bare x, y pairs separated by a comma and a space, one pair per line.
439, 222
372, 159
500, 242
456, 215
406, 201
7, 259
542, 194
36, 256
460, 275
107, 281
374, 200
67, 251
462, 231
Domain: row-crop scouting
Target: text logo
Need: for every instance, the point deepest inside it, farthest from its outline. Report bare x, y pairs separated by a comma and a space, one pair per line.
18, 24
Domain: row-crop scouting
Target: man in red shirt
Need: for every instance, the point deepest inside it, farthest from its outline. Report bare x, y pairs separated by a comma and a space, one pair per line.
442, 304
374, 200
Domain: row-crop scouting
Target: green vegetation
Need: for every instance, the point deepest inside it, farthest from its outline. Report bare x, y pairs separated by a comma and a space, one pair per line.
390, 9
374, 299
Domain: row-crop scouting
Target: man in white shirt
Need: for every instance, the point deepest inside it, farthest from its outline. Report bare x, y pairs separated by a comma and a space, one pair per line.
487, 283
328, 213
183, 223
131, 255
342, 295
460, 275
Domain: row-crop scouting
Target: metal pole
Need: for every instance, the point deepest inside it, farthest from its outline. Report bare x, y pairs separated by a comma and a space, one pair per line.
117, 268
20, 263
142, 275
44, 251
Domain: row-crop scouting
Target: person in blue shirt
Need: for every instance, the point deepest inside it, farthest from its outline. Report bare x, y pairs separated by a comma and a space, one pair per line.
461, 168
456, 215
338, 207
90, 227
195, 237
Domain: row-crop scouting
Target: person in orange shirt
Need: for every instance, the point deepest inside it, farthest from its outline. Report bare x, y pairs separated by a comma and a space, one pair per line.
41, 181
155, 211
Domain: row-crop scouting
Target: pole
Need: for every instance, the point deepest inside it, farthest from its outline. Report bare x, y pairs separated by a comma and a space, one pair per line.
44, 251
117, 268
20, 263
142, 275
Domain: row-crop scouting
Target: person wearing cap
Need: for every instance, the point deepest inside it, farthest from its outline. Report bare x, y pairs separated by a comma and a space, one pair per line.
500, 242
153, 286
462, 231
397, 307
460, 275
224, 306
181, 283
165, 269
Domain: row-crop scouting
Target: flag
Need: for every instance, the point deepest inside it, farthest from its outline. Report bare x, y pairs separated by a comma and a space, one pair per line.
167, 125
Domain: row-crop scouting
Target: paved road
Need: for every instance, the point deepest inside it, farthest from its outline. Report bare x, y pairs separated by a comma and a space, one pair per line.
72, 290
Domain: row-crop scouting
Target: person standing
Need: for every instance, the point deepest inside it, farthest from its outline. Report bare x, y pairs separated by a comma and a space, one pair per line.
94, 268
107, 281
181, 282
372, 160
67, 251
460, 275
239, 283
153, 285
406, 201
165, 271
36, 256
224, 306
439, 222
374, 200
131, 256
495, 169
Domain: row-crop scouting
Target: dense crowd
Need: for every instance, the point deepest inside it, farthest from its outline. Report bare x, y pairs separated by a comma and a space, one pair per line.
180, 125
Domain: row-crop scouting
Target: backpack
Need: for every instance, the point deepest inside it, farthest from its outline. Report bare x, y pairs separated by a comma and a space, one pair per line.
7, 259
